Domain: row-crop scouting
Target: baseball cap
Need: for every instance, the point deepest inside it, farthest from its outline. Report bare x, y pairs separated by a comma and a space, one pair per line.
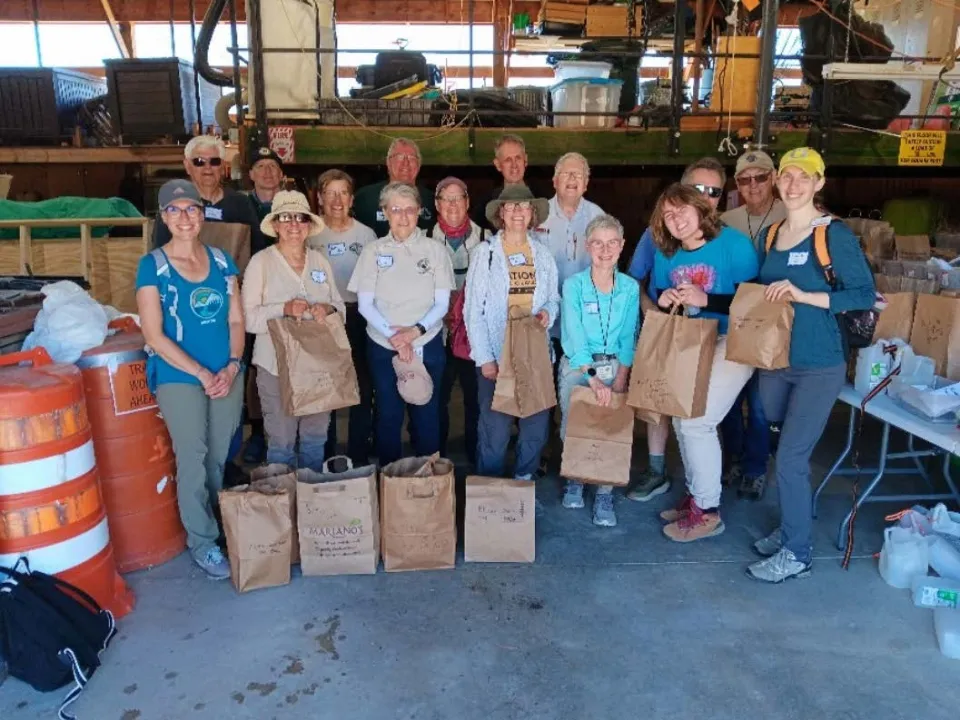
807, 159
448, 181
174, 190
264, 153
413, 381
756, 159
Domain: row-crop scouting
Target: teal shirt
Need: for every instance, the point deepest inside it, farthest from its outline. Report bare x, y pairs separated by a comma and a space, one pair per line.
599, 323
815, 341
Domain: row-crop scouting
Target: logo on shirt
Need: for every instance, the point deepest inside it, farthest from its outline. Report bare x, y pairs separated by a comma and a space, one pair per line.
423, 265
206, 303
702, 275
356, 248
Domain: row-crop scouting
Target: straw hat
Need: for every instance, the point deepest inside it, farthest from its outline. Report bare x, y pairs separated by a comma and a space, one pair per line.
290, 201
517, 193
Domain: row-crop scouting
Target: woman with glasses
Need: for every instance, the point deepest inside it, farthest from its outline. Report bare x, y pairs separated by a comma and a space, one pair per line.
403, 283
193, 326
288, 279
341, 241
512, 270
601, 313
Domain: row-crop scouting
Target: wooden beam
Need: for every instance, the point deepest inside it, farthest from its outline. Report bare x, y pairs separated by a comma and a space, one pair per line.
126, 50
502, 33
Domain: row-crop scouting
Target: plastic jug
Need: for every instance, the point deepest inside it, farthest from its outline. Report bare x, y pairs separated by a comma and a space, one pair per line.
873, 365
935, 592
945, 556
904, 556
946, 624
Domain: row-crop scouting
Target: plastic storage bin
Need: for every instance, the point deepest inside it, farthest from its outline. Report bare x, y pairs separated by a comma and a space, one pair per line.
590, 95
579, 69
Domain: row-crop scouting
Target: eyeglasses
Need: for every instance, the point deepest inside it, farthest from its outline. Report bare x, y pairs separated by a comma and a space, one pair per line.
753, 179
612, 244
172, 211
708, 190
570, 175
452, 199
408, 211
513, 206
333, 194
201, 161
404, 157
289, 217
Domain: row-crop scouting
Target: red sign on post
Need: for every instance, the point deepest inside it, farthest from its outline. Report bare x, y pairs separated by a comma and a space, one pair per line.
283, 142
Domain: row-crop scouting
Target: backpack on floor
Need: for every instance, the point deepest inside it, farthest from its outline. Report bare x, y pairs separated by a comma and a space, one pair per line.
51, 633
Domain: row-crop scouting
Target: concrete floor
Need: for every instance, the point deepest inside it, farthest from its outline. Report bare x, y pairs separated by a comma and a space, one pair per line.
608, 624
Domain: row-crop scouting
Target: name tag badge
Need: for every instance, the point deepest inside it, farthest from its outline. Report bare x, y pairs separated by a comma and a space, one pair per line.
798, 258
418, 351
380, 216
823, 220
212, 213
319, 276
384, 261
517, 259
336, 249
592, 308
605, 371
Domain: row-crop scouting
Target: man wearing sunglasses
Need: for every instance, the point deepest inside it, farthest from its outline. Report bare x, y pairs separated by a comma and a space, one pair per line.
403, 166
759, 208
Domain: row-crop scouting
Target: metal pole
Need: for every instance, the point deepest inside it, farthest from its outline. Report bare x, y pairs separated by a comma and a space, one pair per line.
676, 84
36, 31
768, 48
237, 86
698, 23
472, 8
255, 63
173, 35
193, 54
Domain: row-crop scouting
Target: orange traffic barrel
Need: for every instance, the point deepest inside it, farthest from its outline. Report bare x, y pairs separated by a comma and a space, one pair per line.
51, 509
134, 454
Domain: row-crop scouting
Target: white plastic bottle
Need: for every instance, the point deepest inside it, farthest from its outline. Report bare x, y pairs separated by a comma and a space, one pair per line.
946, 624
935, 592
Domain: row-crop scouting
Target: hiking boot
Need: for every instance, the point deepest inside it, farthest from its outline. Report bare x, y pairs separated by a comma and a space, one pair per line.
732, 476
214, 564
573, 495
649, 486
779, 567
752, 486
694, 525
674, 514
256, 450
770, 545
603, 513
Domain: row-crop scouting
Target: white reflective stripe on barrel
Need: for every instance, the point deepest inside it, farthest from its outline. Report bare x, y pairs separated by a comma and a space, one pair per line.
48, 472
65, 555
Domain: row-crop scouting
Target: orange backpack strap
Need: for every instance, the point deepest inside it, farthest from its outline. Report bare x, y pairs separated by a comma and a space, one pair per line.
772, 235
822, 250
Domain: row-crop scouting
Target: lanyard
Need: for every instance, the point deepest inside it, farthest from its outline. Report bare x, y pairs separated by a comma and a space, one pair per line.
605, 327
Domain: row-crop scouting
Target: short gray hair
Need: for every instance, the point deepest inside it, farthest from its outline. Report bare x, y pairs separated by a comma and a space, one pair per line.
404, 141
400, 189
705, 163
604, 222
508, 138
205, 141
572, 156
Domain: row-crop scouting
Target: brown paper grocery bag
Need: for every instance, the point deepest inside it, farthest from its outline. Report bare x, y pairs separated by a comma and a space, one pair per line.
232, 238
599, 440
525, 378
278, 475
257, 526
499, 520
913, 247
896, 319
314, 364
759, 331
936, 333
339, 521
418, 514
672, 365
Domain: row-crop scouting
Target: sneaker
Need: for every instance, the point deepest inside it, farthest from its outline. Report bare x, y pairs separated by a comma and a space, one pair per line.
752, 486
649, 486
573, 495
214, 564
732, 476
779, 567
256, 450
674, 514
603, 513
694, 525
770, 545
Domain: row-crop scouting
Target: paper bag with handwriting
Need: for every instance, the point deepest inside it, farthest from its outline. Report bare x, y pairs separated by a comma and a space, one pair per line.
280, 476
672, 365
525, 380
760, 330
913, 247
599, 440
339, 522
499, 523
896, 318
936, 333
418, 514
257, 526
232, 238
314, 365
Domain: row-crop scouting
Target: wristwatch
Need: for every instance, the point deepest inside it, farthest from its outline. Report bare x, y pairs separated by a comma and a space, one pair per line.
591, 372
421, 328
239, 362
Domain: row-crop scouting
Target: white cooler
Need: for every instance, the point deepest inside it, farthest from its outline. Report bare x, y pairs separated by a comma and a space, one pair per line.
586, 95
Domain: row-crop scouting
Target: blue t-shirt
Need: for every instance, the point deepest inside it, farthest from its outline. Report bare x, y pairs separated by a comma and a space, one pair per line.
716, 268
195, 315
641, 264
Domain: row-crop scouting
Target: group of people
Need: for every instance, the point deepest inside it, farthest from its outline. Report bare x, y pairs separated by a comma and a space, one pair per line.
425, 288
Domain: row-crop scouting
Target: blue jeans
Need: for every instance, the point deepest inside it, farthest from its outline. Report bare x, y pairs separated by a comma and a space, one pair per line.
424, 419
360, 416
494, 436
466, 372
750, 445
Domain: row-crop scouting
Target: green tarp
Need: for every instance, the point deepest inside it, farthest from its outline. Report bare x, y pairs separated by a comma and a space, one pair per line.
62, 208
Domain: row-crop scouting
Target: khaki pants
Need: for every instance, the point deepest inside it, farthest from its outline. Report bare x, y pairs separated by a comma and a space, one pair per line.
282, 429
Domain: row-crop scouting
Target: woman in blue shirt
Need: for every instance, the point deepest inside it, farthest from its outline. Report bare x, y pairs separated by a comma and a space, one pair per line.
193, 325
698, 265
799, 398
601, 310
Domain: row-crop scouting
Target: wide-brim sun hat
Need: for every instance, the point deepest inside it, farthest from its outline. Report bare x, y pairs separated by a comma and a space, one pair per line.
517, 193
804, 158
291, 201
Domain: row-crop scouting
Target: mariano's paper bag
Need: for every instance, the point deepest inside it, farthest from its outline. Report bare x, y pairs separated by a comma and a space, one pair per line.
936, 333
232, 238
418, 514
672, 365
896, 317
257, 526
499, 520
280, 476
314, 365
759, 332
339, 521
599, 440
525, 378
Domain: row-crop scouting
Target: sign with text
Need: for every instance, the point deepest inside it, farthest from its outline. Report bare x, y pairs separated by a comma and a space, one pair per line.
283, 142
128, 385
922, 148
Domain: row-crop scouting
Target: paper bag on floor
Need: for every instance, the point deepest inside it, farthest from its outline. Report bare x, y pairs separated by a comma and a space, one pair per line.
896, 318
314, 364
278, 475
525, 379
599, 440
672, 365
418, 514
257, 526
339, 521
499, 520
759, 334
232, 238
936, 333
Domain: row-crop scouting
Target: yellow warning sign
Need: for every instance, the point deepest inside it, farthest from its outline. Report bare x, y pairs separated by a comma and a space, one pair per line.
922, 148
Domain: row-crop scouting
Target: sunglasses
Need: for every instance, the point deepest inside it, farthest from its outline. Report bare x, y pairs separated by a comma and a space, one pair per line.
709, 190
753, 179
289, 217
212, 162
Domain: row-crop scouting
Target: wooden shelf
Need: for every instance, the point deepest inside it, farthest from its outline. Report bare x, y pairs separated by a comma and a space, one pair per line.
159, 154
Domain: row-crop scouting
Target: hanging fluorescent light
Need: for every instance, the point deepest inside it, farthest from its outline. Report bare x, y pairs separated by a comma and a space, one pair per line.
888, 71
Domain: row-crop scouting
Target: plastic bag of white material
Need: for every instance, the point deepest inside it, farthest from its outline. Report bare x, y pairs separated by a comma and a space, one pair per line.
905, 555
69, 323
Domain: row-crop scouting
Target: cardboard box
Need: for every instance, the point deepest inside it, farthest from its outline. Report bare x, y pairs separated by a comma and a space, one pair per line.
610, 21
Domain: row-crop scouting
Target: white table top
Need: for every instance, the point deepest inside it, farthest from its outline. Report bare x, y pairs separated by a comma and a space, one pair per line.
882, 407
